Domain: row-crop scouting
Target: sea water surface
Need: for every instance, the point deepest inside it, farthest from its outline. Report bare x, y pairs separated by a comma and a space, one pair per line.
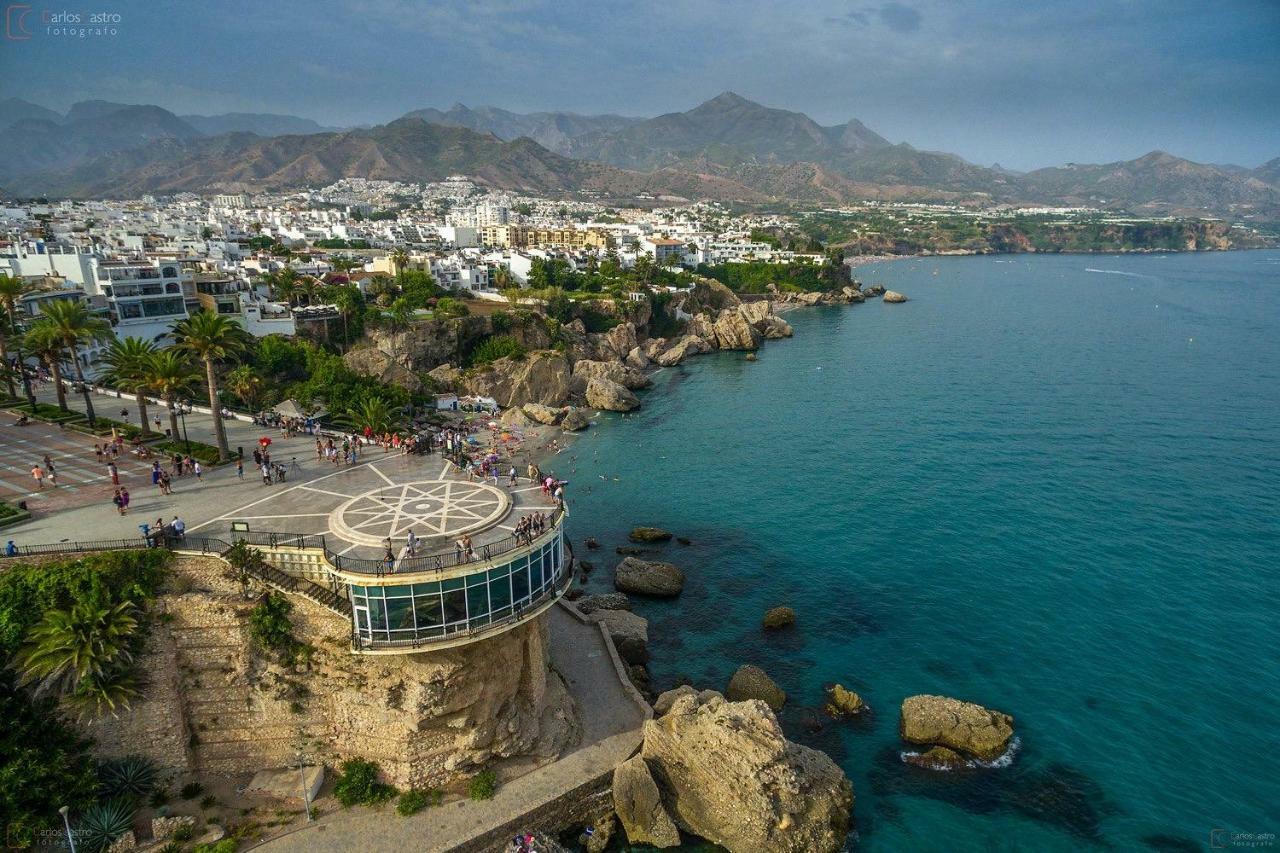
1050, 485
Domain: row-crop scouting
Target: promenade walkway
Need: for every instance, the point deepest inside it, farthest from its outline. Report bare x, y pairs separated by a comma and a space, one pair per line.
610, 713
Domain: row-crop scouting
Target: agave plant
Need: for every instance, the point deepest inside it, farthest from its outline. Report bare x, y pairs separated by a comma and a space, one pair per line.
132, 776
102, 823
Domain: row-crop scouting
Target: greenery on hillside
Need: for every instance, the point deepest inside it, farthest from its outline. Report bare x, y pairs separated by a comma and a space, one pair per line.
756, 276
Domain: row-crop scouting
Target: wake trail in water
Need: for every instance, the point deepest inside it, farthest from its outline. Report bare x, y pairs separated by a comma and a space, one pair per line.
1119, 272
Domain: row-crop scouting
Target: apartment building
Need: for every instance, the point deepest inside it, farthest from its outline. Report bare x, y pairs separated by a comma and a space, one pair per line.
528, 236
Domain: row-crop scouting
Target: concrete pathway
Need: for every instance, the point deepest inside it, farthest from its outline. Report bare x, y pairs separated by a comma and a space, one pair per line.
611, 714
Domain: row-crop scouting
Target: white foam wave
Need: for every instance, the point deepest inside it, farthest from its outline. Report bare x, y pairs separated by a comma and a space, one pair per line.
1119, 272
1003, 760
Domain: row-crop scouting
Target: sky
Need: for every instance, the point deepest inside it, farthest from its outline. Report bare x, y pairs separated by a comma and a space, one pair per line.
1024, 84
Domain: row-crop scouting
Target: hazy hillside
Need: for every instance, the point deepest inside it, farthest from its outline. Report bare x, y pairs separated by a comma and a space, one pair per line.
13, 110
262, 124
554, 131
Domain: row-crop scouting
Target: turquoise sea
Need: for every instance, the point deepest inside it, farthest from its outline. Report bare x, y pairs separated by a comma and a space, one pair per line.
1050, 485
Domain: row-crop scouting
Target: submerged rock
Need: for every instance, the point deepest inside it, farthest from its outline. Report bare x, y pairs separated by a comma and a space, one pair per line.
779, 617
638, 804
731, 777
962, 726
937, 758
644, 577
751, 682
606, 601
649, 534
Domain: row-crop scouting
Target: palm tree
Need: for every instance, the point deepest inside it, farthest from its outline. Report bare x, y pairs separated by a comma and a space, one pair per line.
128, 364
375, 413
76, 327
82, 653
44, 342
246, 384
212, 338
10, 290
400, 260
284, 285
171, 375
5, 334
346, 299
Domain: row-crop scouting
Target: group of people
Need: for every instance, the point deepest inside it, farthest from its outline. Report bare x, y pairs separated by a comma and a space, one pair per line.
44, 470
530, 527
161, 533
272, 472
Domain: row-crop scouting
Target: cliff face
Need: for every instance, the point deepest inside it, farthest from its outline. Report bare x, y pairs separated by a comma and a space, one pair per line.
216, 703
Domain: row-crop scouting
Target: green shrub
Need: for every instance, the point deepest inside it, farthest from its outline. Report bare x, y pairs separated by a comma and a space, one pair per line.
226, 845
271, 627
416, 799
495, 347
159, 797
206, 453
483, 785
102, 823
358, 784
208, 802
191, 790
447, 307
132, 776
184, 833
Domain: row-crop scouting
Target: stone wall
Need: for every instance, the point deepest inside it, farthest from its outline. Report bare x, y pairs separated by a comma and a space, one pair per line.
216, 703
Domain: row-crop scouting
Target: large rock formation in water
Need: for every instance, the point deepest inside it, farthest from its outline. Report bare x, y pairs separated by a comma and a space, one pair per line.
961, 726
215, 702
728, 775
638, 804
609, 395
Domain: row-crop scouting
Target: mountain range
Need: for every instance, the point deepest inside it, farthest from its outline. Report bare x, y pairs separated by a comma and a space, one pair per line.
728, 148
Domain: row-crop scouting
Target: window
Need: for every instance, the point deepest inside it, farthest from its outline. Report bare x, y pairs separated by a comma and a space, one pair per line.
400, 614
455, 606
500, 593
478, 603
520, 584
430, 615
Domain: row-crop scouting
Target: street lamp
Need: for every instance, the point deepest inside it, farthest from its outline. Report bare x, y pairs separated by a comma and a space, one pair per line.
67, 823
306, 792
183, 405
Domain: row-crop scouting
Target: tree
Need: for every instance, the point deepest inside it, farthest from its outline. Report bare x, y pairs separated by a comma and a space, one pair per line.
82, 654
373, 412
246, 384
6, 334
11, 289
400, 260
76, 326
170, 374
213, 338
128, 363
44, 342
348, 301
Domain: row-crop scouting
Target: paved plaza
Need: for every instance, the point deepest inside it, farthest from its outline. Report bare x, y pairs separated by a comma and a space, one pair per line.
357, 507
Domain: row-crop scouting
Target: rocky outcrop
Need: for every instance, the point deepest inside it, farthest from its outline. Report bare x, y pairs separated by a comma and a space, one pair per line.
843, 703
937, 758
779, 617
605, 601
893, 296
615, 371
852, 294
615, 344
870, 290
446, 377
751, 682
653, 347
574, 420
543, 414
663, 703
774, 328
638, 804
680, 350
428, 343
376, 364
630, 634
515, 417
539, 377
728, 775
649, 534
609, 395
661, 580
961, 726
733, 331
636, 359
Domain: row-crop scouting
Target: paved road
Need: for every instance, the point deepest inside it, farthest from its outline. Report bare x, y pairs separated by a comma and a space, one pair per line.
611, 725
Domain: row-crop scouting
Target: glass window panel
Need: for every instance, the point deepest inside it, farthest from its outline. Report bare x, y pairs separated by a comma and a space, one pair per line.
400, 613
520, 585
355, 590
455, 605
452, 583
499, 594
477, 579
426, 588
377, 614
428, 609
499, 571
535, 576
478, 603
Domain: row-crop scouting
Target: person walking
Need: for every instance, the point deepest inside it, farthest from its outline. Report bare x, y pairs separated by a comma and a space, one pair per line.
124, 500
197, 470
240, 469
37, 474
411, 544
118, 501
114, 472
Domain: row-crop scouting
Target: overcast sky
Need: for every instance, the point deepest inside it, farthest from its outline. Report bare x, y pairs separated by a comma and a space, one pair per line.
1025, 84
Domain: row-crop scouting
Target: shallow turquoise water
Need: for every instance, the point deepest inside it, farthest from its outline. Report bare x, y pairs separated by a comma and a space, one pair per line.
1049, 490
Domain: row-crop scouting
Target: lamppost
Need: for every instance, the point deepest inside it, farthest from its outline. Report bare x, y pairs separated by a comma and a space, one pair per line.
183, 405
306, 791
67, 823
